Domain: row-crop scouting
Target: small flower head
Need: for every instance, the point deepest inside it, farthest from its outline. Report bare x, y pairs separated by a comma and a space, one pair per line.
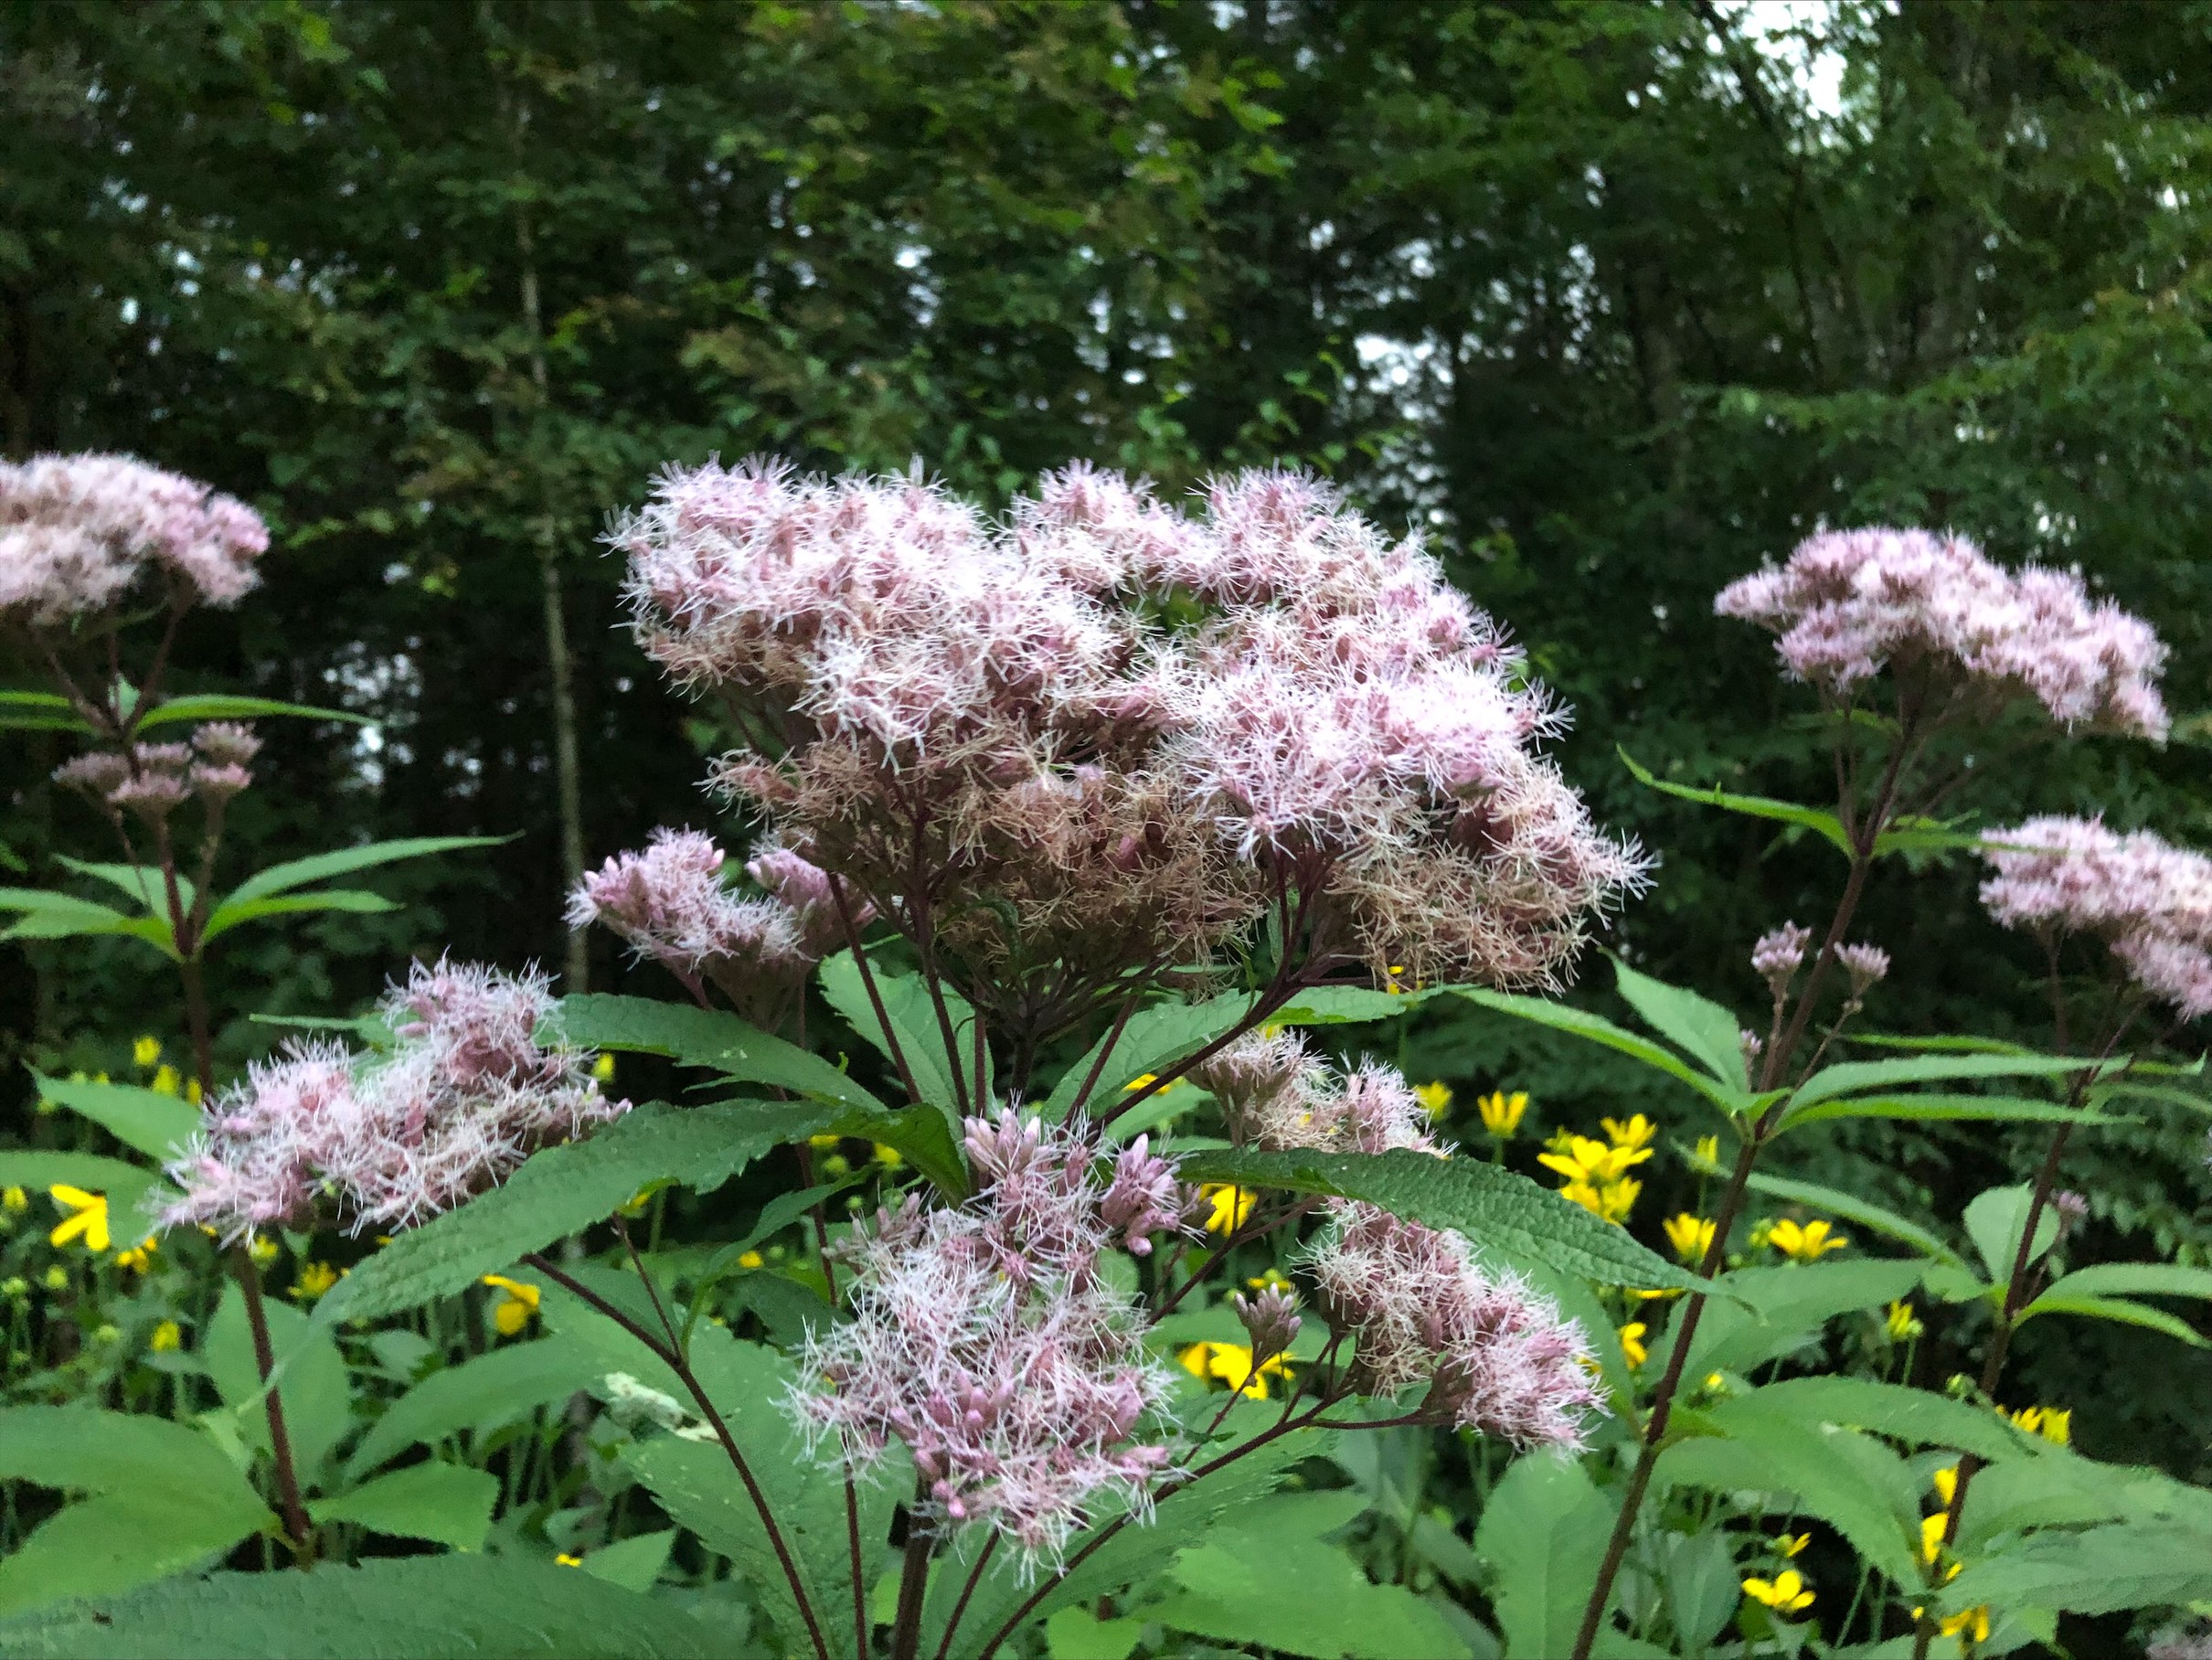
1435, 1098
1865, 965
168, 1338
1901, 1323
516, 1307
1779, 954
85, 1217
1631, 1135
314, 1279
145, 1053
1785, 1593
1226, 1208
1690, 1236
1501, 1113
1805, 1243
1234, 1365
1271, 1318
1632, 1338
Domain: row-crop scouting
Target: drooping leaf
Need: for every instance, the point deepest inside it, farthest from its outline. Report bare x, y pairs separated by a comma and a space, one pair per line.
1916, 1417
484, 1390
1707, 1032
2126, 1311
353, 901
223, 706
1860, 1076
563, 1190
156, 1124
2132, 1279
45, 915
145, 883
1996, 1217
1581, 1023
1543, 1533
1479, 1199
445, 1503
412, 1608
301, 873
1931, 1107
1825, 825
707, 1037
1852, 1209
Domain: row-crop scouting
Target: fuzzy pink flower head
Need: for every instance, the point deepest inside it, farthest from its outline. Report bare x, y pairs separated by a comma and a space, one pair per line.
76, 532
1270, 1320
226, 743
1849, 604
669, 903
1144, 1199
1865, 965
804, 888
1778, 954
256, 1162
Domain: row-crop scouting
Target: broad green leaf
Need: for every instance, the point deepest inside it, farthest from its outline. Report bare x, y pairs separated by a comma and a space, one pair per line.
83, 1449
1866, 1499
353, 901
1581, 1023
1703, 1584
299, 873
143, 883
1996, 1217
1543, 1532
2132, 1279
312, 1383
1264, 1577
633, 1563
914, 1029
706, 1037
2054, 1491
146, 1120
445, 1503
1710, 1033
1778, 1309
1858, 1077
566, 1189
411, 1608
2124, 1309
1154, 1038
2014, 1108
1825, 824
1855, 1209
222, 705
1352, 1005
126, 1185
922, 1135
485, 1389
1914, 1416
1481, 1200
2102, 1570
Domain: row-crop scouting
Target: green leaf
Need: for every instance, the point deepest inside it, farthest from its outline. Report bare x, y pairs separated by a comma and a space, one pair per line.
446, 1504
1777, 1309
1543, 1533
222, 705
146, 1120
1857, 1077
633, 1563
1914, 1416
125, 1185
1155, 1039
1479, 1199
1702, 1586
299, 873
411, 1608
143, 883
2012, 1109
1852, 1209
1709, 1033
312, 1383
706, 1037
922, 1135
2054, 1491
484, 1391
1581, 1023
2131, 1279
61, 916
2099, 1571
2124, 1309
353, 901
1996, 1217
566, 1189
164, 1497
1352, 1005
1825, 824
914, 1029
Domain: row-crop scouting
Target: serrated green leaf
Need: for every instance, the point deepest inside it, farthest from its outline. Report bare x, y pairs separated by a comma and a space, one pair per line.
2005, 1109
1777, 1309
566, 1189
1859, 1077
223, 705
2132, 1279
2056, 1491
1915, 1417
633, 1563
146, 1120
445, 1503
487, 1389
706, 1037
353, 901
414, 1607
312, 1382
1596, 1028
914, 1029
1852, 1209
1543, 1532
1709, 1033
2101, 1570
1481, 1200
299, 873
1154, 1040
1352, 1004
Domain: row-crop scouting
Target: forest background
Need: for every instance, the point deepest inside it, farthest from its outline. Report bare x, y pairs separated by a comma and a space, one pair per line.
1612, 299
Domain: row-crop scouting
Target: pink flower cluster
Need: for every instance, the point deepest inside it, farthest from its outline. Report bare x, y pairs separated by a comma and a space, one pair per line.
1850, 603
152, 780
2148, 900
466, 1094
986, 1341
1011, 708
1494, 1355
76, 530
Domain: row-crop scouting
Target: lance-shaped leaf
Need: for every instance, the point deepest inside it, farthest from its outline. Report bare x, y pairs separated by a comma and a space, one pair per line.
353, 901
45, 915
1543, 1533
487, 1390
1565, 1017
2126, 1311
1935, 1108
1822, 824
707, 1037
322, 867
1707, 1031
1476, 1199
222, 705
914, 1033
146, 1120
2131, 1564
445, 1503
1154, 1040
1858, 1077
145, 883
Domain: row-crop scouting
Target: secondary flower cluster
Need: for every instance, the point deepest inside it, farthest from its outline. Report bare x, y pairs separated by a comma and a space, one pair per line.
987, 1340
670, 904
1849, 603
1493, 1356
1105, 734
2148, 900
76, 532
151, 781
466, 1094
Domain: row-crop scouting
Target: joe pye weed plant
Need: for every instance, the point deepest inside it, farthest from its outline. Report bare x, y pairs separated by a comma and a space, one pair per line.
1071, 838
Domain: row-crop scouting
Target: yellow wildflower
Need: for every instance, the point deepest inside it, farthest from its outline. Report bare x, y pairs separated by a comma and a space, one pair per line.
1707, 1152
1970, 1626
888, 1156
168, 1335
168, 1080
1807, 1243
1945, 1482
1274, 1276
1144, 1080
1636, 1133
1785, 1593
1903, 1323
518, 1301
1230, 1205
1611, 1202
1435, 1098
1586, 1159
87, 1217
1396, 987
262, 1249
1232, 1364
315, 1278
139, 1257
145, 1052
1791, 1544
1631, 1342
603, 1068
2053, 1424
824, 1144
565, 1560
14, 1198
1501, 1113
1933, 1528
1690, 1235
749, 1258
